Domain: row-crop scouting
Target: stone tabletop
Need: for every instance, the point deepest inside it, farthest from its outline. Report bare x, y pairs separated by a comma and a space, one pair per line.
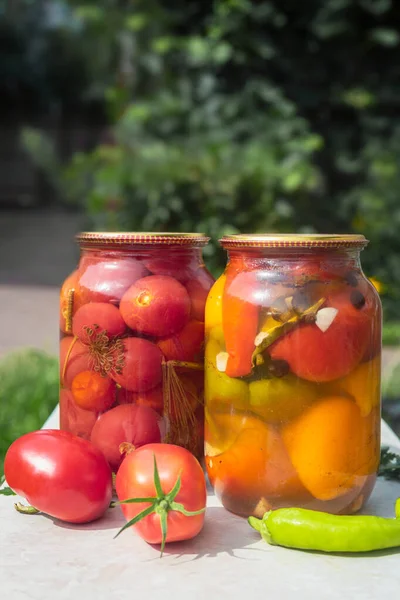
41, 558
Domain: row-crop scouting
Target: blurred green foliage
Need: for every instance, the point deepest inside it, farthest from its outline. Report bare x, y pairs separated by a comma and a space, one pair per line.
233, 115
391, 334
28, 394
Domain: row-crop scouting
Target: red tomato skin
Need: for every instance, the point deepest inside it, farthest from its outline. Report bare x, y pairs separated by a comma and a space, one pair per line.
324, 356
60, 474
129, 423
135, 479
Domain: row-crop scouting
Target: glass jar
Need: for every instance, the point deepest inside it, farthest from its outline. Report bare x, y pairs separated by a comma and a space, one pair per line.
132, 333
292, 375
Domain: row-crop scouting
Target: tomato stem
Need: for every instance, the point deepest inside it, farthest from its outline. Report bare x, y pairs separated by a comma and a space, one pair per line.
126, 448
25, 510
186, 364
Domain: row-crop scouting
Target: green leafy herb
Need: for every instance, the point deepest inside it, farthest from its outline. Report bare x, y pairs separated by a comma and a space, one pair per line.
7, 491
390, 465
267, 338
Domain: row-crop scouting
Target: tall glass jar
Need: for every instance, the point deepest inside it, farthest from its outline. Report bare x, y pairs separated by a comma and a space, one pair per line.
292, 375
132, 335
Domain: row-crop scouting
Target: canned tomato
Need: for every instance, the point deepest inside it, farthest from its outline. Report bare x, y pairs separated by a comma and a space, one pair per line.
132, 334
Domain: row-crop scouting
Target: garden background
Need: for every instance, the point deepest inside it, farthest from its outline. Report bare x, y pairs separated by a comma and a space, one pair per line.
219, 116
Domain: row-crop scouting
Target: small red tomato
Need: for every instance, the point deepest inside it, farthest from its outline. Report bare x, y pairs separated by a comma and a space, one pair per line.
127, 424
156, 305
60, 474
142, 365
154, 471
153, 398
187, 344
74, 419
90, 320
92, 391
198, 289
107, 281
323, 356
180, 268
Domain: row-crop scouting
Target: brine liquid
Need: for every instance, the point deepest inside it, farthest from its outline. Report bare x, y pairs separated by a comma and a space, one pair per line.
292, 390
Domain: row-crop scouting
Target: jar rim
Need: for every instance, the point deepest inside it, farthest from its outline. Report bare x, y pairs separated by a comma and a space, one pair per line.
140, 238
293, 240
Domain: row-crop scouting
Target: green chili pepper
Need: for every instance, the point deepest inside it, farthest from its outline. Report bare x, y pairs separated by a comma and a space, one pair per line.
314, 530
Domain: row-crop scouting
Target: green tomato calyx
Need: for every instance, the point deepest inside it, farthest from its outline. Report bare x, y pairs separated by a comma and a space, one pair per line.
161, 505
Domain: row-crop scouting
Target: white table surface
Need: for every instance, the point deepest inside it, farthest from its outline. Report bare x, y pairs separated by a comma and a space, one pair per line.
41, 558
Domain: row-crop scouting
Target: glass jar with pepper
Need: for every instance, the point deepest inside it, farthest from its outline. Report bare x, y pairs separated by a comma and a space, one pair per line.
292, 375
132, 334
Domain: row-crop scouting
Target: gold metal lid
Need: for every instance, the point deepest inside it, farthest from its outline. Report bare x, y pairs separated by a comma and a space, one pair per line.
293, 240
140, 238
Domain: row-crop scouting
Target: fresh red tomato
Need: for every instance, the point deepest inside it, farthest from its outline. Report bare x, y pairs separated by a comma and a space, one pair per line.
154, 471
60, 474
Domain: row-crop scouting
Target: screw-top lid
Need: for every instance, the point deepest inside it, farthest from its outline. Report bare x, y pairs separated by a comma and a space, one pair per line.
142, 238
293, 240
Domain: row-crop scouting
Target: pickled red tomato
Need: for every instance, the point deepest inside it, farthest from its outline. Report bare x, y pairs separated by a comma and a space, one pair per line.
152, 398
198, 289
323, 356
186, 345
317, 268
156, 305
69, 284
108, 280
187, 399
179, 268
141, 368
96, 317
74, 358
73, 418
92, 391
125, 424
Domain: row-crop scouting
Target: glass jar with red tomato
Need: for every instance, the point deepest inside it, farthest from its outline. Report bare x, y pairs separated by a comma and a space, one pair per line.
132, 341
292, 375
